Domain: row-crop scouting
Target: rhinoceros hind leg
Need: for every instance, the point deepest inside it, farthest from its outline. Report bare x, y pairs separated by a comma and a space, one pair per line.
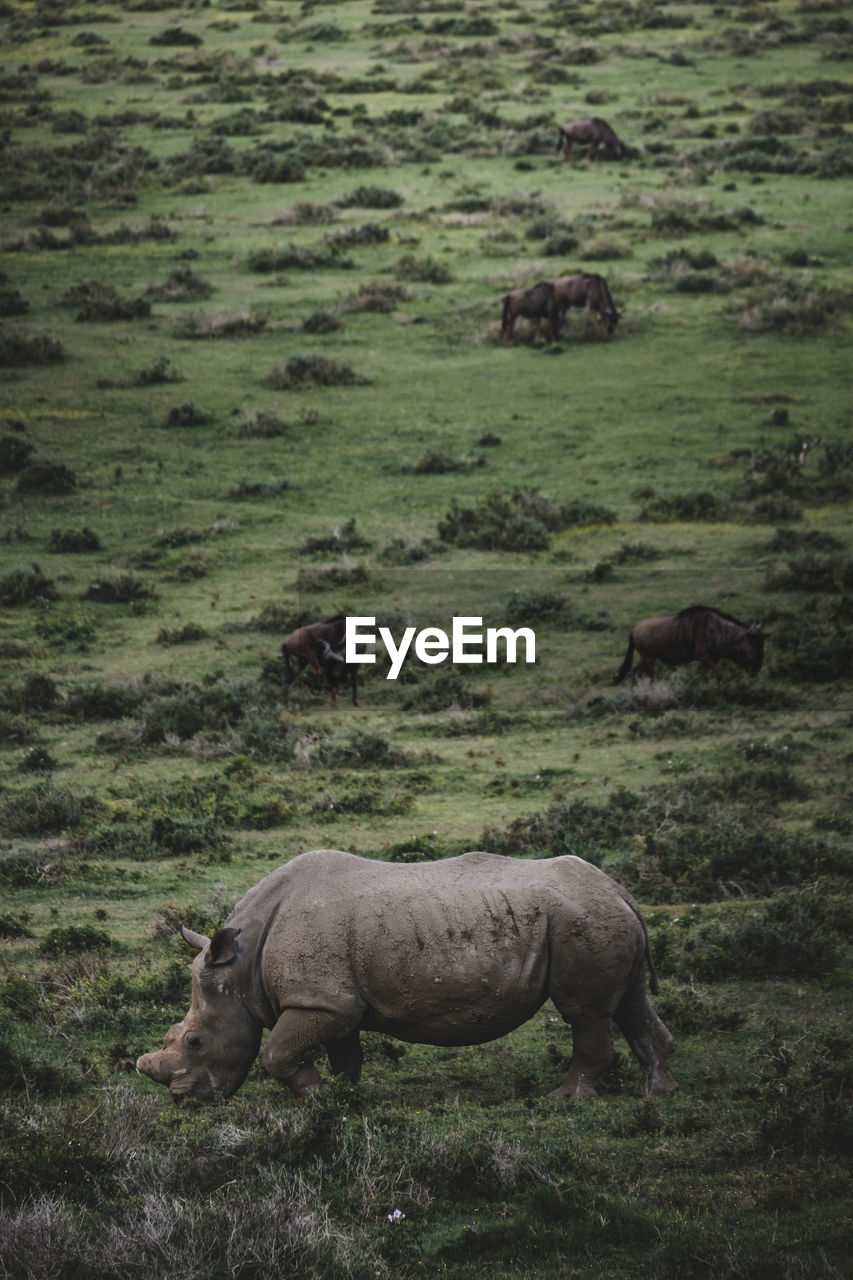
649, 1039
292, 1044
346, 1057
592, 1051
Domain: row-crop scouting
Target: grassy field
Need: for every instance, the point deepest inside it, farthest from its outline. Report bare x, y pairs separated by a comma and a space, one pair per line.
252, 260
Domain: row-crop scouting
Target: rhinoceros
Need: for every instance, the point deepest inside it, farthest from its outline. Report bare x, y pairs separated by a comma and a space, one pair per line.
455, 952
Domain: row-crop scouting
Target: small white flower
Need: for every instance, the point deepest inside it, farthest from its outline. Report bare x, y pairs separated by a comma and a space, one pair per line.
396, 1216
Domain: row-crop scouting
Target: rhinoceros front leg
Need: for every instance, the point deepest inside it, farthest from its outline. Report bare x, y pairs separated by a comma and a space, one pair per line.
592, 1052
294, 1042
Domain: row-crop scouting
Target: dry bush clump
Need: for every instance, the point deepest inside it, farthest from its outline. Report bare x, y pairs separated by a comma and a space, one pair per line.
314, 371
219, 324
377, 296
20, 348
794, 308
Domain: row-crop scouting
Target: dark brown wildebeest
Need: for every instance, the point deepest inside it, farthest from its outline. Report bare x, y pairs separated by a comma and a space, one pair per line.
585, 290
536, 303
319, 645
594, 133
697, 634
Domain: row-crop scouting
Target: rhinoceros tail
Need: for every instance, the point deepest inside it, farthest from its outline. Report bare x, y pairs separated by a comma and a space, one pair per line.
653, 977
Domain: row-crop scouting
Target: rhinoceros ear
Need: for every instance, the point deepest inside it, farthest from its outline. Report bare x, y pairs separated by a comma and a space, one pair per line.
223, 947
197, 940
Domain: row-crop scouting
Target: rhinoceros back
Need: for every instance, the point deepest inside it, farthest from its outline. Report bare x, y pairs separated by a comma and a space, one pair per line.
451, 952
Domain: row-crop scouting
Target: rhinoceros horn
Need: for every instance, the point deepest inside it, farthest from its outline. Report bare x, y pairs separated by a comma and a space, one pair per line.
221, 948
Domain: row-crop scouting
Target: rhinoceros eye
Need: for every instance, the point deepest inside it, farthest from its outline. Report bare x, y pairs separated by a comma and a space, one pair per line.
192, 1039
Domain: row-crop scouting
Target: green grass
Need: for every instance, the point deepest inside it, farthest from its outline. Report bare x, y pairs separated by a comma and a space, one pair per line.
192, 504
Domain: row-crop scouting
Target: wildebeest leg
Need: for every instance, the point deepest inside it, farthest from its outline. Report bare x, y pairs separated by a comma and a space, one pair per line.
293, 1043
649, 1039
645, 667
567, 149
346, 1057
592, 1052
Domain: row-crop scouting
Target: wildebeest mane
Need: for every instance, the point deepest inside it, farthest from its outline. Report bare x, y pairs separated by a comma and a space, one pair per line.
693, 609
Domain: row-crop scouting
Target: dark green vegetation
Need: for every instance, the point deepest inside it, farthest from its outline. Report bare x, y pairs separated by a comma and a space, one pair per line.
250, 277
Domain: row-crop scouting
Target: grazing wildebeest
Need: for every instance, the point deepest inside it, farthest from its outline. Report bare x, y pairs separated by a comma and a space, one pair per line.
696, 634
536, 303
319, 645
594, 133
585, 290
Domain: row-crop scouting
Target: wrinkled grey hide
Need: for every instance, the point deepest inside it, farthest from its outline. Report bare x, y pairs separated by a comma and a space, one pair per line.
455, 952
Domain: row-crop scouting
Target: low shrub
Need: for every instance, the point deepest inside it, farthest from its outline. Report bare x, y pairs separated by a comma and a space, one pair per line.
426, 270
323, 321
12, 927
182, 285
52, 479
175, 36
26, 586
542, 607
314, 371
685, 507
298, 258
219, 324
377, 297
74, 938
65, 629
188, 414
605, 248
156, 374
793, 308
14, 453
37, 759
437, 463
794, 935
343, 539
120, 588
371, 197
814, 571
12, 303
257, 423
182, 714
367, 233
98, 301
19, 349
520, 520
804, 1086
73, 540
97, 701
249, 490
448, 687
189, 633
817, 645
46, 809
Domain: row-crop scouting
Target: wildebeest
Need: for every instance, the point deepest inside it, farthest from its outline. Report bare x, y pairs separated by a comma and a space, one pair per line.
585, 290
594, 133
320, 645
696, 634
536, 303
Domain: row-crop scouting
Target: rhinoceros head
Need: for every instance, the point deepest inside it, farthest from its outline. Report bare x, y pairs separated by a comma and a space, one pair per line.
208, 1055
